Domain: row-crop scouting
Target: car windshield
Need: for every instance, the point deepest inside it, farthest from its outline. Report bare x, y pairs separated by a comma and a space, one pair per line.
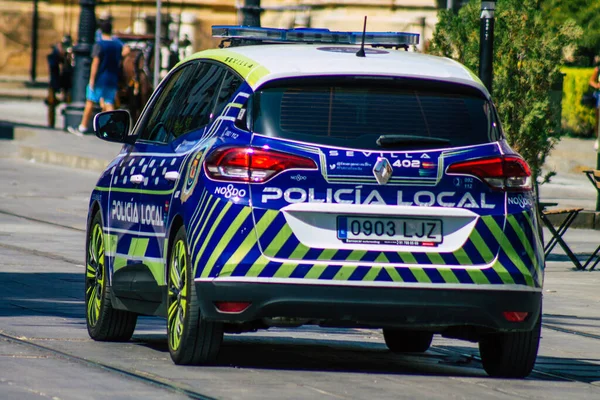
374, 113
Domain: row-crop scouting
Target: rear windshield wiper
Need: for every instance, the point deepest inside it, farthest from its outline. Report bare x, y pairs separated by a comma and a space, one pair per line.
396, 140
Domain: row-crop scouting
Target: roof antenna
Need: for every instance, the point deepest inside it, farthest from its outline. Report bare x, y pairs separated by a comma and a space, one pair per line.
361, 51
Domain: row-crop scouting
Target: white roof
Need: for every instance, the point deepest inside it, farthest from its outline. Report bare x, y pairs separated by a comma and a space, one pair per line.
283, 61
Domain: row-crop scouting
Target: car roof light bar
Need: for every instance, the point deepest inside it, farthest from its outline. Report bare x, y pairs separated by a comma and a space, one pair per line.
309, 35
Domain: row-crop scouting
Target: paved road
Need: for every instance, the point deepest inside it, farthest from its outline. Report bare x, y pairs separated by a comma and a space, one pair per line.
45, 351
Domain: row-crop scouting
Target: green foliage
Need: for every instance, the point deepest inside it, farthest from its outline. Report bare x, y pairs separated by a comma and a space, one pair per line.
577, 120
528, 54
586, 13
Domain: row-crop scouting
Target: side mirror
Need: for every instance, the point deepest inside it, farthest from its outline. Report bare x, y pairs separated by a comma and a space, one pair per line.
114, 126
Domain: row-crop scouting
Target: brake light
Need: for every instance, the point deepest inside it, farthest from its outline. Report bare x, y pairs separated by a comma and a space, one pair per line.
515, 316
507, 173
252, 164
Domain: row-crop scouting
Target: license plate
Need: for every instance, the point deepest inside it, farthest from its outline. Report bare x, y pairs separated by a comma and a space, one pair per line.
399, 231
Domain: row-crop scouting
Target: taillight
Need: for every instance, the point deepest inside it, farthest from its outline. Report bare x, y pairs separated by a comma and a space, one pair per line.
508, 173
252, 164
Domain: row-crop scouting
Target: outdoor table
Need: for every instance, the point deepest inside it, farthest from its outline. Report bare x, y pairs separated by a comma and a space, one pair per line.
557, 234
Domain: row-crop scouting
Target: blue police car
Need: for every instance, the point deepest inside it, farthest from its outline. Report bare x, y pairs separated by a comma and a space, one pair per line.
313, 177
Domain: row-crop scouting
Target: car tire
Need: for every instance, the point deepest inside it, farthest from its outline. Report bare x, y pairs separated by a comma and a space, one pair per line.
401, 341
104, 323
192, 340
510, 355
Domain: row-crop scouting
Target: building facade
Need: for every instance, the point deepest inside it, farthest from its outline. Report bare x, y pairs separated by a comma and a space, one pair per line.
187, 23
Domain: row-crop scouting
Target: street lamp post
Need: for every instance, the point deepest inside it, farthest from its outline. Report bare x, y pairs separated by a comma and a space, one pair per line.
486, 43
251, 12
34, 41
83, 60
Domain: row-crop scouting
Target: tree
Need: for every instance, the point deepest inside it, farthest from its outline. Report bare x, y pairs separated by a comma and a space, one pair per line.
528, 54
586, 13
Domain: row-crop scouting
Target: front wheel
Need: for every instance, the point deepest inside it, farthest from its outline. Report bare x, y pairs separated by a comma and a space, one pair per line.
401, 341
192, 340
104, 323
510, 355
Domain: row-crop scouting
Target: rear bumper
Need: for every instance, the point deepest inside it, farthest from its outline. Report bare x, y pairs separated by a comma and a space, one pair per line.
435, 309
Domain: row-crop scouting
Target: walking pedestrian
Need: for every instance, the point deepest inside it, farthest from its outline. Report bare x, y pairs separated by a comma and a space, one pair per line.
104, 76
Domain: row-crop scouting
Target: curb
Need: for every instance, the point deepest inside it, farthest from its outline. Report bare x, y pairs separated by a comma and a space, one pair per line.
62, 159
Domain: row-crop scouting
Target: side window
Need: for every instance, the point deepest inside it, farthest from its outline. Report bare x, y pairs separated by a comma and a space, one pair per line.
159, 124
197, 101
229, 86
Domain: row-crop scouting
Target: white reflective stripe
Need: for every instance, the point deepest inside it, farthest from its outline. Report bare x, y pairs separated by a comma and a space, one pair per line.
135, 258
149, 234
406, 285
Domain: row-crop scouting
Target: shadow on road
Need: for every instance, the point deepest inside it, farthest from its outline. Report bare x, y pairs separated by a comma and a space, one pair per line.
43, 293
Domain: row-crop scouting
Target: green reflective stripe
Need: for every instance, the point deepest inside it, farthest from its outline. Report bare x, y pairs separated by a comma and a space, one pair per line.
196, 233
138, 246
372, 274
200, 208
260, 264
356, 255
110, 243
407, 258
200, 234
436, 258
420, 275
327, 254
381, 258
509, 250
395, 275
462, 257
158, 271
299, 252
204, 207
119, 263
208, 237
134, 190
478, 276
315, 272
279, 240
235, 105
448, 275
480, 245
524, 241
249, 241
285, 270
503, 273
345, 273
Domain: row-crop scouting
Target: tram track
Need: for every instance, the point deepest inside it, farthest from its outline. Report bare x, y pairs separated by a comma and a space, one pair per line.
143, 377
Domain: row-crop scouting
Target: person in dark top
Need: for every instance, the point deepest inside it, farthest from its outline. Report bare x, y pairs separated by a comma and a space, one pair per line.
60, 68
104, 76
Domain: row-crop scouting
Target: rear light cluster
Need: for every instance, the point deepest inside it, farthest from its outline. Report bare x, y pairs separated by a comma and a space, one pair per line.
507, 173
252, 164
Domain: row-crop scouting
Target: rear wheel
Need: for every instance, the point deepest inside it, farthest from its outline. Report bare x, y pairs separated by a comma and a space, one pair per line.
510, 355
192, 340
104, 323
401, 341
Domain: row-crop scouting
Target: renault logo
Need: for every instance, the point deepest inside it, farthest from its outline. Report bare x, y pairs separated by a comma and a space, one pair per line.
382, 170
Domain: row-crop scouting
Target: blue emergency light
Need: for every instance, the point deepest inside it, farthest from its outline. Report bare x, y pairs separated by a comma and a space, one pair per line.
309, 35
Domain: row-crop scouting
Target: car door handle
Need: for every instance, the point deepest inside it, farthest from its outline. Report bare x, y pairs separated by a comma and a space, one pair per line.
172, 176
137, 179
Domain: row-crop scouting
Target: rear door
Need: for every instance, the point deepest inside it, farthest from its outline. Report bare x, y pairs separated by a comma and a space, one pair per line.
381, 192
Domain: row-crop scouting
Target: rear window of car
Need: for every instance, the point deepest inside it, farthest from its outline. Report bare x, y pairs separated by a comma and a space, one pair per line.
355, 112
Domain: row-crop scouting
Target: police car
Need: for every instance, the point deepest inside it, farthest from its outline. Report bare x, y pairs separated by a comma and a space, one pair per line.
313, 177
